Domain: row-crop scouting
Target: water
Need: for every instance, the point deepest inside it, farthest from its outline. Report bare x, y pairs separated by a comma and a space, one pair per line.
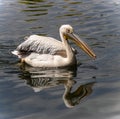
91, 91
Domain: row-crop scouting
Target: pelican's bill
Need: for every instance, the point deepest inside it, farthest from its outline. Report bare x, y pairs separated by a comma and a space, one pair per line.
81, 44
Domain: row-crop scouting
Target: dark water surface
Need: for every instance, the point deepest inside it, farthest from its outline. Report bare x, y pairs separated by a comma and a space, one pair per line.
92, 91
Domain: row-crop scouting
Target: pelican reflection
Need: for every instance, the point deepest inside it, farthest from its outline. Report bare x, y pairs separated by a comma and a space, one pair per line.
39, 79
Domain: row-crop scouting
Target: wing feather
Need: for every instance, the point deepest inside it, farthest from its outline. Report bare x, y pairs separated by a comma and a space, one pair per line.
41, 45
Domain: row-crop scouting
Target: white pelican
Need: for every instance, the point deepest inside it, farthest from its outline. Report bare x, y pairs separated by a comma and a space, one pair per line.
40, 51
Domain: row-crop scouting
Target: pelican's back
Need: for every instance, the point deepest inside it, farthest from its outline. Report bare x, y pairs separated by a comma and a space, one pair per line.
41, 45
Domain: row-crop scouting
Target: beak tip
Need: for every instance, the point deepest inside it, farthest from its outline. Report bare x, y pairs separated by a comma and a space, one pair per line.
94, 57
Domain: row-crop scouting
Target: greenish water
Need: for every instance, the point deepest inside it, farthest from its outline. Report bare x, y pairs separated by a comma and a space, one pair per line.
35, 93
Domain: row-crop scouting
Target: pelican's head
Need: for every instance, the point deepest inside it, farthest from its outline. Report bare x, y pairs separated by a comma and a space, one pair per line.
68, 33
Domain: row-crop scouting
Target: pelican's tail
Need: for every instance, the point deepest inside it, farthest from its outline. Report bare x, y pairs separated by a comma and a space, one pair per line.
15, 52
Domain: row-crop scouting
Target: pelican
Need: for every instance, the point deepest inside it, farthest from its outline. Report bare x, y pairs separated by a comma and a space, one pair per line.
41, 51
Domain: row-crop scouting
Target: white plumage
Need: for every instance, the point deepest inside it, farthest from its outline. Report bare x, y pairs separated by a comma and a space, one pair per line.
40, 51
41, 45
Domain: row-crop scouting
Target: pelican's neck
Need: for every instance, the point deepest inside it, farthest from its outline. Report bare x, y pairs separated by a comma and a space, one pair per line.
69, 52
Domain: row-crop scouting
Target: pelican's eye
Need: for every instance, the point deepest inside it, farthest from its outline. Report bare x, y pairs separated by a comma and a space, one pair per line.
69, 31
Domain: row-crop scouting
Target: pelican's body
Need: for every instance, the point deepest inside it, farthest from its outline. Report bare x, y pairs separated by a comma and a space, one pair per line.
40, 51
